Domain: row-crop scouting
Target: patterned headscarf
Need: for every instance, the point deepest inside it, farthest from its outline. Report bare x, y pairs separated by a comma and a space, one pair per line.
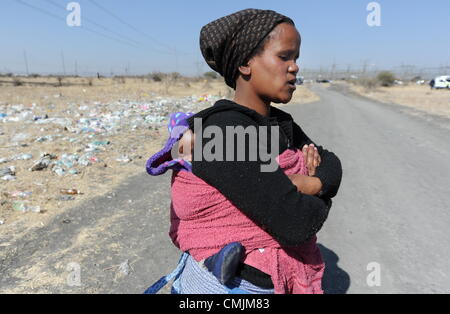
227, 42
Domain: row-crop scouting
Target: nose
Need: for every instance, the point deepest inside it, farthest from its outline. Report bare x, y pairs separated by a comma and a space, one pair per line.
293, 68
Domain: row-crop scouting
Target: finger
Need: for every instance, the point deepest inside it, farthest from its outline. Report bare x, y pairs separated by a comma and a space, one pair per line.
316, 158
305, 151
310, 161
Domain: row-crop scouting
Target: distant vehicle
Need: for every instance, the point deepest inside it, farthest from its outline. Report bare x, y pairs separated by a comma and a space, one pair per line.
300, 80
323, 81
441, 82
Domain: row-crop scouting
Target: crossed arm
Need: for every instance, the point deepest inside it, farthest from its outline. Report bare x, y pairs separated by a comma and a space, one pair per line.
306, 184
270, 199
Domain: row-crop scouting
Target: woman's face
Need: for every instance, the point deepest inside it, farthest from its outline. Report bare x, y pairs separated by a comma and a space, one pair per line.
274, 71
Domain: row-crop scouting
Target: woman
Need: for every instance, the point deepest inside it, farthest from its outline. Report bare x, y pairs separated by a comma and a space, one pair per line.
274, 215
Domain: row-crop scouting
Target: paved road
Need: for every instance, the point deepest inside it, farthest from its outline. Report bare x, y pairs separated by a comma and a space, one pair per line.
392, 210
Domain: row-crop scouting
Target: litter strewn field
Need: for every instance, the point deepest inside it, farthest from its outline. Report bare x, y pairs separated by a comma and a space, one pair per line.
62, 145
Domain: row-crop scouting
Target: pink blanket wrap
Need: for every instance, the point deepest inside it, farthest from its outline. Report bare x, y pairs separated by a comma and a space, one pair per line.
203, 221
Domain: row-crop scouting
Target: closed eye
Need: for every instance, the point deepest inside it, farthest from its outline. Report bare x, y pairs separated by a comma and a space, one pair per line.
286, 58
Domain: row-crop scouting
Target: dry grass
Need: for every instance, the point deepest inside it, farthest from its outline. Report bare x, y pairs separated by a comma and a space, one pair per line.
416, 96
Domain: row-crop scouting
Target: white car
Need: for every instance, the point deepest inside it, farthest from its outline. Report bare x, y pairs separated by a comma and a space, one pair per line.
442, 82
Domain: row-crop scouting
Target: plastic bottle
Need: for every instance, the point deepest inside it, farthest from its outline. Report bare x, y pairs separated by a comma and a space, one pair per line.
70, 192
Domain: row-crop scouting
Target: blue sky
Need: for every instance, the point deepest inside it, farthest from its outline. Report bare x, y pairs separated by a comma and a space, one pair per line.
412, 32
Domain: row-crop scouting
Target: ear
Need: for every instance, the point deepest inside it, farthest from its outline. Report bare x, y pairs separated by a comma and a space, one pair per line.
245, 70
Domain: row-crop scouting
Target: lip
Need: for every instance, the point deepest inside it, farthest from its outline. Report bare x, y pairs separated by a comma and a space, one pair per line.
291, 86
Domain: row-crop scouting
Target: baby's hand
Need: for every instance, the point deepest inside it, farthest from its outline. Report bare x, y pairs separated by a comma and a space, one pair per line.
186, 145
312, 158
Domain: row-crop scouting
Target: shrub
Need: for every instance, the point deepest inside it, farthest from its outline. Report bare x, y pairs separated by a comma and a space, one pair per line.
368, 83
386, 78
175, 76
156, 76
119, 79
211, 75
17, 82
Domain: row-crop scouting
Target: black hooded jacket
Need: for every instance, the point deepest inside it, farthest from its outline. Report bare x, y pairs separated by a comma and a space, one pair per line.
269, 199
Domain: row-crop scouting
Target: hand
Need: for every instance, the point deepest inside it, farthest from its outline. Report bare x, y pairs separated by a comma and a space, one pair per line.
305, 184
312, 158
186, 145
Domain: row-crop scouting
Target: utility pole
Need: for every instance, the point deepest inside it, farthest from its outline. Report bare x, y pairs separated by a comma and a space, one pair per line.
199, 66
176, 60
76, 68
63, 63
26, 62
364, 68
333, 69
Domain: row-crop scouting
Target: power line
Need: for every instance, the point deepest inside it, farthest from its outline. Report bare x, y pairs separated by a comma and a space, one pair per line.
171, 50
95, 23
83, 27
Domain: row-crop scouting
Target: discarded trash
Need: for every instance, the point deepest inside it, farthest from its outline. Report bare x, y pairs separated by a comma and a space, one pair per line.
20, 194
94, 159
124, 159
11, 170
88, 159
43, 163
23, 157
100, 143
35, 118
65, 198
59, 171
111, 195
34, 209
73, 171
44, 139
124, 268
23, 207
70, 192
20, 137
1, 222
81, 131
19, 206
9, 177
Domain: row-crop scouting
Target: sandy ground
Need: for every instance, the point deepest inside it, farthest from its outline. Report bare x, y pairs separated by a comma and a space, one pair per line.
34, 197
419, 97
